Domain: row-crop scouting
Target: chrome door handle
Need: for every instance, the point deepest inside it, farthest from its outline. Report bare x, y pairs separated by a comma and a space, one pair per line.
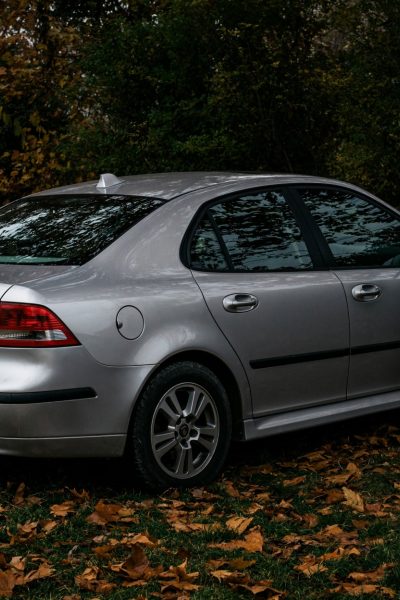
239, 302
365, 292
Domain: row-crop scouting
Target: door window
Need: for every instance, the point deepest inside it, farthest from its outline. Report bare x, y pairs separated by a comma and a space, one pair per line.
206, 253
255, 232
359, 232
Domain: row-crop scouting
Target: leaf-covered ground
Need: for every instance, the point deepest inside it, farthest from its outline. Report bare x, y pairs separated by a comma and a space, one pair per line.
307, 515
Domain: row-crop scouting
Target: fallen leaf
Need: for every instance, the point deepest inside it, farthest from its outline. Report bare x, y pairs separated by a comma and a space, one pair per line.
46, 526
310, 566
230, 576
239, 524
82, 496
370, 576
252, 542
231, 490
109, 513
19, 495
261, 587
179, 579
137, 566
339, 553
354, 500
7, 583
351, 472
294, 481
64, 509
353, 589
310, 520
235, 563
44, 570
89, 580
18, 563
254, 508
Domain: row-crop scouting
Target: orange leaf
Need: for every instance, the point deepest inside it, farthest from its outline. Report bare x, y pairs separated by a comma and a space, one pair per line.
89, 580
370, 576
62, 510
43, 571
137, 566
294, 481
310, 566
239, 524
354, 500
262, 586
339, 553
235, 563
231, 490
18, 563
310, 520
7, 583
108, 513
253, 542
231, 576
180, 573
353, 589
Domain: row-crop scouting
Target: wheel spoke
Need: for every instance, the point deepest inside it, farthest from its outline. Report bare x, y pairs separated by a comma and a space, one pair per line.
192, 402
208, 431
159, 438
184, 461
172, 412
201, 405
164, 448
206, 443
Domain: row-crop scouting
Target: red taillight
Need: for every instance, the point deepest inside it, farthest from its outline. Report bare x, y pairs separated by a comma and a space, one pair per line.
30, 325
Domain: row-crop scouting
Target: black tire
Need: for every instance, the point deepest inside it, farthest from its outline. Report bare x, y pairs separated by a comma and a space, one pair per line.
199, 438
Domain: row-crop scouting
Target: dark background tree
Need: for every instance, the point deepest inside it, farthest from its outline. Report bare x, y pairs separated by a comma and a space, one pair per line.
153, 85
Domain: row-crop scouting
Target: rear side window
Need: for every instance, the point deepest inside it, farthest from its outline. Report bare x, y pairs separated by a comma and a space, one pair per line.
206, 252
254, 232
67, 229
359, 232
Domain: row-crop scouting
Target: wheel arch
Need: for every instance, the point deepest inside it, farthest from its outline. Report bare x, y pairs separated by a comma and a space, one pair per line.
220, 370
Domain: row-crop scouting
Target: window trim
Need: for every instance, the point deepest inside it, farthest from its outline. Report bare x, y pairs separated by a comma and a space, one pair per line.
310, 241
329, 258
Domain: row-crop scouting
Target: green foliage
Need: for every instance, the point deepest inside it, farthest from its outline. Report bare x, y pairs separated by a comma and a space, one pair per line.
307, 86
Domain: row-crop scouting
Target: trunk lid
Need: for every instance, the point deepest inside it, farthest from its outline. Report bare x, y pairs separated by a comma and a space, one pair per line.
23, 274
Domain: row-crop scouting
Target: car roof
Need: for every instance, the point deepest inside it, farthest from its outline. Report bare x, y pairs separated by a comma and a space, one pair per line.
172, 185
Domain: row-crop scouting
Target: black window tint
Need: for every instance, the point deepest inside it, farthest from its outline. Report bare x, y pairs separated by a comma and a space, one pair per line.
67, 229
205, 251
260, 233
359, 233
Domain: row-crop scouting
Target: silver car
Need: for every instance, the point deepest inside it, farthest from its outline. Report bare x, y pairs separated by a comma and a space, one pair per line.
163, 315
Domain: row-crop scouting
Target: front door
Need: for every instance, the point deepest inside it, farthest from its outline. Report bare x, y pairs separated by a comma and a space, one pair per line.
363, 239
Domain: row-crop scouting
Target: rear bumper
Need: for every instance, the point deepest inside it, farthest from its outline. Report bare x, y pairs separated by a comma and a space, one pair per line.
63, 447
61, 402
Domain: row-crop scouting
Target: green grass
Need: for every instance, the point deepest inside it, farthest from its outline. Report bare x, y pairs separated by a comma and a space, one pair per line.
302, 511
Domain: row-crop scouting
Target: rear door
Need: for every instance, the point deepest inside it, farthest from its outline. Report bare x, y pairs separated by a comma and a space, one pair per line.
286, 317
362, 243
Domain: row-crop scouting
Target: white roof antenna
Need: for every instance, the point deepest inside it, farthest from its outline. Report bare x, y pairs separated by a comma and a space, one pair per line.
108, 180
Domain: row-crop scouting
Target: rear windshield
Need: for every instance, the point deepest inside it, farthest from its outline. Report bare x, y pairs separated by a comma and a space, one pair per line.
67, 229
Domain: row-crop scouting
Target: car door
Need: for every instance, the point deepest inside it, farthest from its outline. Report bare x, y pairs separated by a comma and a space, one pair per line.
284, 315
362, 239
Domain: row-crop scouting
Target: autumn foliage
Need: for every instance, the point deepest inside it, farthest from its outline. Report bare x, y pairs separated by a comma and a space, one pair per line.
299, 516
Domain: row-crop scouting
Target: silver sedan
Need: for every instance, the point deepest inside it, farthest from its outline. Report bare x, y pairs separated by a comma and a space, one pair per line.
163, 315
